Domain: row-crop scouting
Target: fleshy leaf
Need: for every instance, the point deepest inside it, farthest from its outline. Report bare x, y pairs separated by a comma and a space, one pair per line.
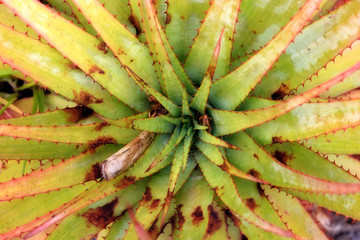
226, 190
93, 134
227, 122
193, 201
208, 138
183, 22
257, 162
68, 173
126, 47
229, 91
221, 16
73, 43
46, 65
319, 43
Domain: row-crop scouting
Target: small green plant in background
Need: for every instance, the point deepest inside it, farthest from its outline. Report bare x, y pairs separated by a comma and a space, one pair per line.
187, 119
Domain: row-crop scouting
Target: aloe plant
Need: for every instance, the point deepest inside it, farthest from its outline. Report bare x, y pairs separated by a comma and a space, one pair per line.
184, 119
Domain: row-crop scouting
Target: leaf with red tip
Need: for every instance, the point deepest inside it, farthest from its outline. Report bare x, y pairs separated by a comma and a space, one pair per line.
291, 210
95, 217
183, 19
227, 122
77, 170
126, 47
229, 91
319, 44
221, 16
257, 162
82, 49
225, 188
193, 201
46, 65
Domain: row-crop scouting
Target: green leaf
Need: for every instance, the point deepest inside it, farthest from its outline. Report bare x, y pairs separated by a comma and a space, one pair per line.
172, 84
184, 19
11, 148
126, 47
151, 204
21, 212
193, 201
257, 162
227, 94
226, 190
221, 16
259, 23
93, 134
82, 49
227, 122
319, 43
156, 124
87, 222
208, 138
173, 109
216, 157
68, 173
46, 65
256, 200
309, 120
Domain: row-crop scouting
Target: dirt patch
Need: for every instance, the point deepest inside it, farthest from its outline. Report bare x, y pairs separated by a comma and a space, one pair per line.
281, 92
197, 215
282, 157
125, 182
94, 173
254, 173
250, 202
94, 69
102, 47
100, 141
85, 98
215, 222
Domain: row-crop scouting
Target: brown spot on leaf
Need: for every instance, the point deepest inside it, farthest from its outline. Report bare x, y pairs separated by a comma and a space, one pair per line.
277, 140
135, 22
125, 182
214, 221
182, 17
94, 173
256, 156
197, 215
282, 157
78, 113
250, 202
254, 173
180, 216
155, 204
102, 47
147, 195
93, 144
168, 18
100, 126
85, 98
281, 92
94, 69
101, 216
